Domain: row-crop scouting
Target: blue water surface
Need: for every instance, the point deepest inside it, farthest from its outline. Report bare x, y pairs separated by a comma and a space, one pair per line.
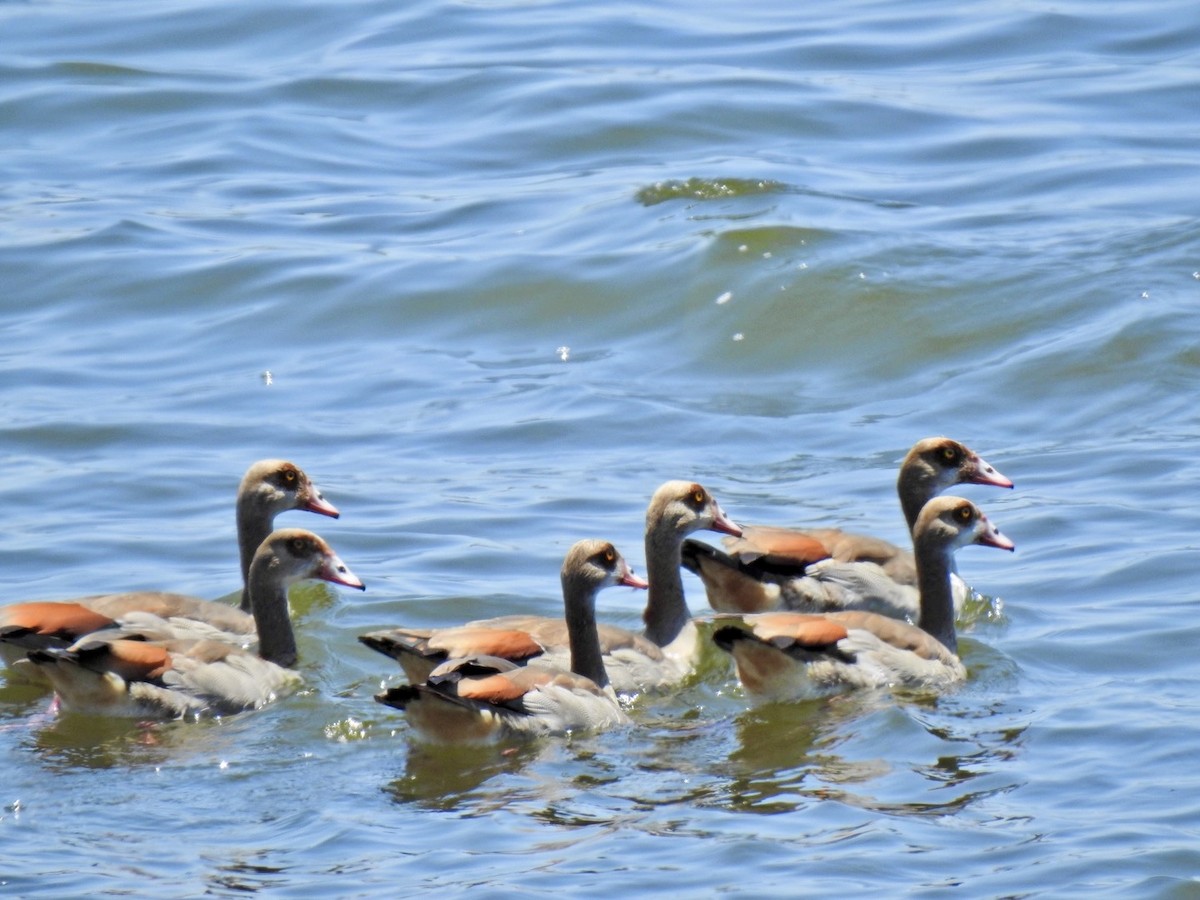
491, 272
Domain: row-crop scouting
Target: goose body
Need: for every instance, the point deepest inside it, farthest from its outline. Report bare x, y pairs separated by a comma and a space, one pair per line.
787, 655
821, 570
658, 657
268, 488
128, 675
483, 698
519, 639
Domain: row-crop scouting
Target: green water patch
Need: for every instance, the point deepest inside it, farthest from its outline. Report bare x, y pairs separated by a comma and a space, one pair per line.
708, 189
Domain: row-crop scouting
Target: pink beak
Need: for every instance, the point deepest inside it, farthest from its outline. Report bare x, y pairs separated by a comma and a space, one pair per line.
724, 524
634, 581
985, 473
992, 537
336, 571
321, 506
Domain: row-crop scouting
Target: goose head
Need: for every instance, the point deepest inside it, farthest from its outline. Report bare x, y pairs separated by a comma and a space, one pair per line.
680, 507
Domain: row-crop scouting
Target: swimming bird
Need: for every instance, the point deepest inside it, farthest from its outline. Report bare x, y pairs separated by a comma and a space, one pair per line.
482, 698
269, 487
661, 655
816, 570
788, 655
127, 676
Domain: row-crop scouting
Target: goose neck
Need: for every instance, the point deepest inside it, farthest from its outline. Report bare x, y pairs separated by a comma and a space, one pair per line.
666, 606
916, 487
268, 590
253, 527
937, 600
587, 658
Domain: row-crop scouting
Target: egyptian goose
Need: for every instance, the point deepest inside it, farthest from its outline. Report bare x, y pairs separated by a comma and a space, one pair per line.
481, 698
771, 568
790, 655
268, 488
125, 676
658, 657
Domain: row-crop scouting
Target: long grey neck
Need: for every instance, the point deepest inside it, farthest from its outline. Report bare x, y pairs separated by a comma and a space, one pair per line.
916, 488
666, 607
937, 601
276, 640
253, 526
587, 659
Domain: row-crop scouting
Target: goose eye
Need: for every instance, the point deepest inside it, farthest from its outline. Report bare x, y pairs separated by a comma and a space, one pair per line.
698, 496
964, 514
610, 555
949, 454
289, 475
297, 545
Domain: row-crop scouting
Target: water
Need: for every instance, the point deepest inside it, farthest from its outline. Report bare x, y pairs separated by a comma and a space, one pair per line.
512, 265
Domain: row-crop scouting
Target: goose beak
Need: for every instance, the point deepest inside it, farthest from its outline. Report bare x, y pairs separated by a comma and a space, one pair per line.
322, 507
986, 473
630, 579
337, 572
991, 537
724, 524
